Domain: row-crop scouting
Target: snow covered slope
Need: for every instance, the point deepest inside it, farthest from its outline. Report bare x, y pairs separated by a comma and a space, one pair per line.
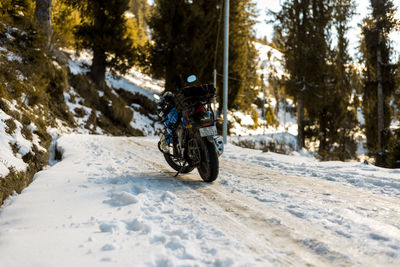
113, 201
134, 83
271, 61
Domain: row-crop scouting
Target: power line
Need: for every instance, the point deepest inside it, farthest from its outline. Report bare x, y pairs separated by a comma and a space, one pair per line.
230, 78
237, 79
218, 33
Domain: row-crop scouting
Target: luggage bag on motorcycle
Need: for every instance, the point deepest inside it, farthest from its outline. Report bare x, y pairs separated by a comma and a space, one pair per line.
203, 92
191, 99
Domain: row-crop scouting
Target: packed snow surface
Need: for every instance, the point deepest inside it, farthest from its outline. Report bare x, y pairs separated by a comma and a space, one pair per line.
113, 201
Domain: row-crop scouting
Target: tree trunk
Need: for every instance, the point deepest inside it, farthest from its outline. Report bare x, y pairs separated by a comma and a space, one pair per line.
380, 156
42, 20
98, 68
300, 122
284, 111
322, 136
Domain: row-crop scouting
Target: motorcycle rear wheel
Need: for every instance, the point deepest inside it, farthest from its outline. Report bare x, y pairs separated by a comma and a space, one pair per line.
176, 164
209, 165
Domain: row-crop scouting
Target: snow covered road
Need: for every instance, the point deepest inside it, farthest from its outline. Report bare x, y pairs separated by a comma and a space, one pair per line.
114, 202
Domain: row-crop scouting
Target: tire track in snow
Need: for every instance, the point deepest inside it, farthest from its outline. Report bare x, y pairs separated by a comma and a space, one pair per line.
334, 222
356, 223
244, 219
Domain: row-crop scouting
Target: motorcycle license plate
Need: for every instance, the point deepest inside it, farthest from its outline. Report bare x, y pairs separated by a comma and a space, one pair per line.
207, 131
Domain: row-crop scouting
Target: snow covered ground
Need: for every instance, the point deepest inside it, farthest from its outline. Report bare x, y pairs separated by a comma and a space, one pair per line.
113, 201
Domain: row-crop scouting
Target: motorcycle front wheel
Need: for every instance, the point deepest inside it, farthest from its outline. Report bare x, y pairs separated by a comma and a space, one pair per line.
209, 165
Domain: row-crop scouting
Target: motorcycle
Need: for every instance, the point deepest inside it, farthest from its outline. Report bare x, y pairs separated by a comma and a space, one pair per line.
190, 138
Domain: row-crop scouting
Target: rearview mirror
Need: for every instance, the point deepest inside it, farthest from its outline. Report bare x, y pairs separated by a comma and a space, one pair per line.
191, 78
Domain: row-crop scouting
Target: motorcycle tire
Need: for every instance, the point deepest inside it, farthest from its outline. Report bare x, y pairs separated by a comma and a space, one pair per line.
209, 165
176, 166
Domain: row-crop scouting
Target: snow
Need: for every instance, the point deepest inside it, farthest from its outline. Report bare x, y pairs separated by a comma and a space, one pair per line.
24, 145
9, 55
78, 63
395, 125
259, 141
242, 123
12, 57
7, 158
103, 203
271, 61
242, 128
135, 82
143, 123
75, 68
379, 180
129, 15
114, 201
75, 104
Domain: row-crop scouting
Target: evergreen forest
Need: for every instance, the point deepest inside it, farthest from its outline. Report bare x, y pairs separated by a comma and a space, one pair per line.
169, 40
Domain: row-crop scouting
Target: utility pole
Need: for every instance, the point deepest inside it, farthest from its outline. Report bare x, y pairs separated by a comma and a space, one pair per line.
226, 60
215, 97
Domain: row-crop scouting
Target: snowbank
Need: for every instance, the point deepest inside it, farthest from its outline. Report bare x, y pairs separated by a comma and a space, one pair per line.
113, 201
103, 204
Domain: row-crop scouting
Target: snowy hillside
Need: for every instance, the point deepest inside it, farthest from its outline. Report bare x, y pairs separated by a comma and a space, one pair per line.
260, 134
113, 201
38, 106
134, 82
15, 139
271, 61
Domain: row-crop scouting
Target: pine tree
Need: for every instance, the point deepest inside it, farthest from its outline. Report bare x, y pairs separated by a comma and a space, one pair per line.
242, 55
185, 41
65, 19
16, 11
103, 30
277, 39
204, 19
379, 81
184, 36
141, 11
170, 55
394, 157
341, 116
303, 25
